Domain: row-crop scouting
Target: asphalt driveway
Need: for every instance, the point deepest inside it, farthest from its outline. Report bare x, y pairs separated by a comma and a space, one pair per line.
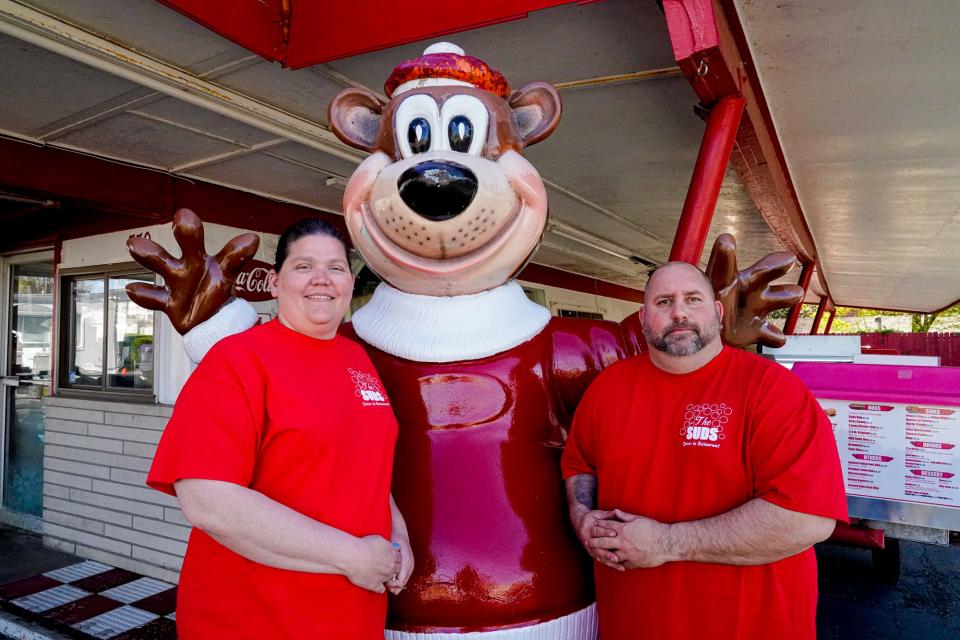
923, 605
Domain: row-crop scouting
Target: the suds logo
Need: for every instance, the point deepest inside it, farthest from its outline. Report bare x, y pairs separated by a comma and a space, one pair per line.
368, 388
703, 424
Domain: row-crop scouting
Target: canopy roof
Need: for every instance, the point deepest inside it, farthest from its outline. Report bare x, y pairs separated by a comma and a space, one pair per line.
858, 106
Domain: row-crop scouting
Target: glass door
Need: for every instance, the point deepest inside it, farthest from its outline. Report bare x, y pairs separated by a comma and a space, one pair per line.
27, 355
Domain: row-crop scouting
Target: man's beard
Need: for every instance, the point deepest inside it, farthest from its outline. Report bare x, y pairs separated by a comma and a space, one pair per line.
687, 345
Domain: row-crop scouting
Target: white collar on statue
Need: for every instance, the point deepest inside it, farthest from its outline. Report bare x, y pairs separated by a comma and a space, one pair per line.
446, 329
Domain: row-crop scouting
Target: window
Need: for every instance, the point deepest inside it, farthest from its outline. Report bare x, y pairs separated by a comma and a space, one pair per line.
106, 339
573, 313
536, 295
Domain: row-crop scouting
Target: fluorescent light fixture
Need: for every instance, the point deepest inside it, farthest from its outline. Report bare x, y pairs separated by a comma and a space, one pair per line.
596, 243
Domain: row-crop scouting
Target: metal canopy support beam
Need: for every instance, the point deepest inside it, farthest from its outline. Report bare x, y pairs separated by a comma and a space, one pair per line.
711, 50
833, 314
707, 179
806, 275
817, 318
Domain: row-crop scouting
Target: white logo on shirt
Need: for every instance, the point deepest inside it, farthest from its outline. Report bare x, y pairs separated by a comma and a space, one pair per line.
368, 388
703, 424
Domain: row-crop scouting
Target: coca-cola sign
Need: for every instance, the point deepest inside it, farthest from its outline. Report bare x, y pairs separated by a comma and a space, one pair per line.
252, 283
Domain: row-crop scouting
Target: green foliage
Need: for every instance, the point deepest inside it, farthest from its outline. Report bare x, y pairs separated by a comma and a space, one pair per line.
923, 321
946, 320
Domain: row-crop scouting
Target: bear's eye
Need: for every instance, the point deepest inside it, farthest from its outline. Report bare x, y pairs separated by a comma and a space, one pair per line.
460, 133
465, 121
418, 134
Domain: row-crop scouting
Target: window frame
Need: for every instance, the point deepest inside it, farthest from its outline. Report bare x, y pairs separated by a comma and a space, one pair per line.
66, 331
565, 312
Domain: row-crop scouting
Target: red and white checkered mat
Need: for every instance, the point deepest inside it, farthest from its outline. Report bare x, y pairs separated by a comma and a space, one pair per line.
94, 600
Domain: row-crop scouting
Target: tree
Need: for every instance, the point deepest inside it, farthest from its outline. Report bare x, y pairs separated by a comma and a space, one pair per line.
923, 321
946, 320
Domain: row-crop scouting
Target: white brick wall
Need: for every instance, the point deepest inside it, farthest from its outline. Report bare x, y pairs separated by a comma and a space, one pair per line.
95, 502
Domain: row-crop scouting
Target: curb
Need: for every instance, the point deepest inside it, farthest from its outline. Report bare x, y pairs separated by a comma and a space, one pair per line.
18, 629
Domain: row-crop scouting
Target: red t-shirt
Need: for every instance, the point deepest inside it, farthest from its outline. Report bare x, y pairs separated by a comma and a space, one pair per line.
305, 422
684, 447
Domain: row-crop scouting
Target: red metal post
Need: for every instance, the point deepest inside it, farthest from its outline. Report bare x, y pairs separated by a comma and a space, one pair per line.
707, 178
833, 314
806, 274
817, 318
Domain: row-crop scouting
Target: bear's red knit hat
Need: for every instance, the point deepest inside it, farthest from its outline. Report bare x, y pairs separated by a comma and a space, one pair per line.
445, 64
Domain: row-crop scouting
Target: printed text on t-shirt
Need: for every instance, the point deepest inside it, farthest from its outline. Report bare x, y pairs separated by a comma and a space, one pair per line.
368, 388
703, 424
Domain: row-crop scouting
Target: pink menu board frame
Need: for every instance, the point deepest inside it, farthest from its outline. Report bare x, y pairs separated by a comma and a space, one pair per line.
898, 435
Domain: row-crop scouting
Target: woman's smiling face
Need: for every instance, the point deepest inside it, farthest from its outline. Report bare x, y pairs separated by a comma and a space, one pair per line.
314, 286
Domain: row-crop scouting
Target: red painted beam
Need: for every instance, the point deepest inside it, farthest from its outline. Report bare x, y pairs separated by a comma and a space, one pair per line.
817, 318
712, 51
826, 330
257, 26
322, 31
806, 274
299, 33
707, 179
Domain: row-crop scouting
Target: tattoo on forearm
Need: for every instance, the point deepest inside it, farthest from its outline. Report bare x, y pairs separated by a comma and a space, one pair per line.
585, 490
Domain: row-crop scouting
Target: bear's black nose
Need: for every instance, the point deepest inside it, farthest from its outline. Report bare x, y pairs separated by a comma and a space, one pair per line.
437, 190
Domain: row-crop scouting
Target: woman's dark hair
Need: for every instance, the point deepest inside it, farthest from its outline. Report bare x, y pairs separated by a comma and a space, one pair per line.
305, 227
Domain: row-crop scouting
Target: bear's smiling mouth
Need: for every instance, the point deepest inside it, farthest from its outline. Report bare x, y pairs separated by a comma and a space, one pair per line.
446, 266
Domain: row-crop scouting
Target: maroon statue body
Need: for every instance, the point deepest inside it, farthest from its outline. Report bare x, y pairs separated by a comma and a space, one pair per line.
446, 211
484, 382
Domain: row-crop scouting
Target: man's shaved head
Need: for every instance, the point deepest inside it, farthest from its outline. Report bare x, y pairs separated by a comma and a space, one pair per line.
677, 264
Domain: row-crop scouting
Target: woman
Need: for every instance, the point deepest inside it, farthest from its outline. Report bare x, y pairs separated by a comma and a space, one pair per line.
280, 451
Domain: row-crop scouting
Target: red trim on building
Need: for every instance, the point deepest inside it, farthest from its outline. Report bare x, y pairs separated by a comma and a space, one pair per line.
99, 196
551, 277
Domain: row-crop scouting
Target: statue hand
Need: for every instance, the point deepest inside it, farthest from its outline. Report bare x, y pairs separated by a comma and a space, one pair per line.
195, 285
747, 296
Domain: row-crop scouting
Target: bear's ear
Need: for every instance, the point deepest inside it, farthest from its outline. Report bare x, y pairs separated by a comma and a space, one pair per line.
354, 117
536, 111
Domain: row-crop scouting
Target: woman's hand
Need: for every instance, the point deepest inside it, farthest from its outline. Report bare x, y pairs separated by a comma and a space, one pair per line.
401, 542
396, 584
375, 562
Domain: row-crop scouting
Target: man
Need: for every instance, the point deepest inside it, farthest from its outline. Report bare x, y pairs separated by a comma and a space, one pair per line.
698, 477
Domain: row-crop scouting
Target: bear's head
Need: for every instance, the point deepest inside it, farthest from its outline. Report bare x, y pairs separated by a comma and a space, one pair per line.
445, 204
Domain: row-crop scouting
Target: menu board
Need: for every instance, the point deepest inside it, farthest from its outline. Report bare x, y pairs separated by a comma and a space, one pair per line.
898, 451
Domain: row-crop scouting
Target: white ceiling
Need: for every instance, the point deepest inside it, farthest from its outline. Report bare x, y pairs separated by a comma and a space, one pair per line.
617, 167
863, 96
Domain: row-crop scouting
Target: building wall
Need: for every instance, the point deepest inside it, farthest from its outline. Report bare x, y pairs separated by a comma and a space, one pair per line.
95, 502
558, 298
